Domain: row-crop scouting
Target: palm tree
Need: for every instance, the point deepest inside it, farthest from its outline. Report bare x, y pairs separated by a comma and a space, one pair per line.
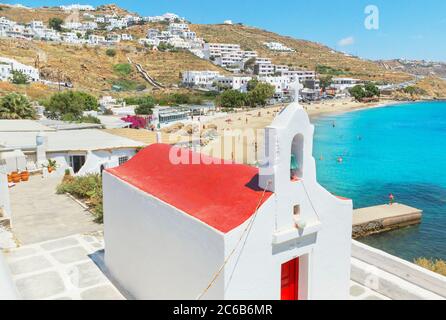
16, 106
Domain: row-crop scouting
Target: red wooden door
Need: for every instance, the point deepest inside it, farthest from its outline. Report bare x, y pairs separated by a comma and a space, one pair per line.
290, 280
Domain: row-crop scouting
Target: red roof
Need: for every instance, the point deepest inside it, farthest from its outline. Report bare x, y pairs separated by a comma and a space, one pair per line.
223, 196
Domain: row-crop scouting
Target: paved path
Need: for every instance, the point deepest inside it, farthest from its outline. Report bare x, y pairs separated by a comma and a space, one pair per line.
39, 214
70, 268
360, 292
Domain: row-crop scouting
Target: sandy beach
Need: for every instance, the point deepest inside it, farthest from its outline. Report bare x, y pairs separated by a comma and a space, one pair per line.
239, 136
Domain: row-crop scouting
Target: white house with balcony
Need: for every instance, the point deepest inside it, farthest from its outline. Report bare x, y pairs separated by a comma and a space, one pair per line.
343, 84
281, 84
94, 39
234, 82
126, 37
277, 46
217, 49
263, 67
274, 234
179, 43
200, 79
8, 65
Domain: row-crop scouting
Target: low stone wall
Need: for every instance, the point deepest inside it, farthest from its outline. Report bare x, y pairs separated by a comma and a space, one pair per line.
386, 224
407, 271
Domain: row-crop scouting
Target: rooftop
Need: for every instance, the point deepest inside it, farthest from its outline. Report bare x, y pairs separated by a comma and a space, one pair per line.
222, 196
70, 140
22, 126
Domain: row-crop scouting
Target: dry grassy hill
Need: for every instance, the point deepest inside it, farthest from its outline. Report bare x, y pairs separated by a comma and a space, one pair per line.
307, 56
89, 68
435, 87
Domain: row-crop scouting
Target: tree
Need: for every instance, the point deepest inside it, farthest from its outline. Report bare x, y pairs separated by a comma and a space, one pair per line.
260, 94
143, 110
371, 90
90, 102
252, 84
18, 77
55, 23
357, 92
145, 105
70, 105
16, 106
231, 99
325, 82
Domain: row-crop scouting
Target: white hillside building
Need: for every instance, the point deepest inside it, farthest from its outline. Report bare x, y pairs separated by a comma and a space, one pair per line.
342, 84
200, 79
78, 7
277, 46
234, 82
280, 83
7, 66
217, 49
274, 234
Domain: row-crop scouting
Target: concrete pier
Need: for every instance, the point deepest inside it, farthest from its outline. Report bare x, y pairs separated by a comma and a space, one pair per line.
378, 219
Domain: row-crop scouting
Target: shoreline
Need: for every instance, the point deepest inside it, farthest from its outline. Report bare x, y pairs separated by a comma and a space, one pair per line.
245, 128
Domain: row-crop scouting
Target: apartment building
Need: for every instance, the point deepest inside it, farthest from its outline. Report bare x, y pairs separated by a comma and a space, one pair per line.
280, 83
234, 82
179, 43
217, 49
96, 40
200, 79
230, 60
342, 84
263, 67
280, 69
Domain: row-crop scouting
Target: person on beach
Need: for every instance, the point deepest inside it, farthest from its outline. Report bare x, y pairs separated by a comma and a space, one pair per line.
391, 199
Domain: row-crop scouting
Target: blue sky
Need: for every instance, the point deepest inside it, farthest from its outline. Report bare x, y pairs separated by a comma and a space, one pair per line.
413, 29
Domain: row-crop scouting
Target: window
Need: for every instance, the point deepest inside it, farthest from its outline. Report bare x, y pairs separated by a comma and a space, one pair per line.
123, 160
296, 211
77, 162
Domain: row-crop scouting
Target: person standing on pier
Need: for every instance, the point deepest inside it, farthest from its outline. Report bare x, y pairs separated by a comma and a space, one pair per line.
391, 199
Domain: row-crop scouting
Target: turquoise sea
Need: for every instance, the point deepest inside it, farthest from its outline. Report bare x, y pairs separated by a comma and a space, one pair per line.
397, 149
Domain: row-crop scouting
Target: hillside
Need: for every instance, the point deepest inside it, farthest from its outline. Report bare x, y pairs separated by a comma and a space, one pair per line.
24, 15
308, 54
433, 86
419, 68
89, 68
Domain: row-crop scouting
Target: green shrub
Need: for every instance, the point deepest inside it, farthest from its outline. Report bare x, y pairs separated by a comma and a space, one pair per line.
16, 106
87, 188
19, 77
122, 69
70, 105
90, 119
110, 52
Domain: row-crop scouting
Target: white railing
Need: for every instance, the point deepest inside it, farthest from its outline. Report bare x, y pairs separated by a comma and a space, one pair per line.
405, 270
